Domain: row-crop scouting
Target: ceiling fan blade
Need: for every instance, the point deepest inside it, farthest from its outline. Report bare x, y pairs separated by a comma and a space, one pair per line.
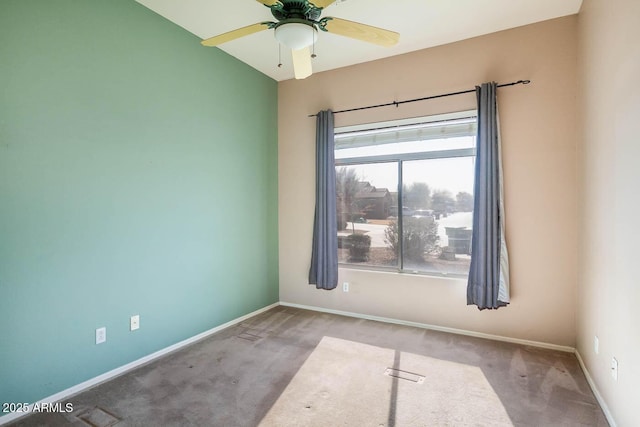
363, 32
321, 3
301, 63
235, 34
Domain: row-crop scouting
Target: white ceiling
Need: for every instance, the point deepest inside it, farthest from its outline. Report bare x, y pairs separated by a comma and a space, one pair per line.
421, 24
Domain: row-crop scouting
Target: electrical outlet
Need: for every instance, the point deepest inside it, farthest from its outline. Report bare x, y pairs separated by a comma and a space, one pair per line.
345, 287
596, 344
101, 335
134, 322
614, 368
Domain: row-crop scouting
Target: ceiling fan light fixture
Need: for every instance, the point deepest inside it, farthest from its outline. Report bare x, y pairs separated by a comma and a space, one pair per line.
295, 35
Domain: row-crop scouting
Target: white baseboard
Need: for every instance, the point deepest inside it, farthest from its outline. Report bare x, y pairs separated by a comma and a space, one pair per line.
435, 327
130, 366
596, 393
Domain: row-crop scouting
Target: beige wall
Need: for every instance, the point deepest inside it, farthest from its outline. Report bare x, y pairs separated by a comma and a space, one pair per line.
539, 137
608, 291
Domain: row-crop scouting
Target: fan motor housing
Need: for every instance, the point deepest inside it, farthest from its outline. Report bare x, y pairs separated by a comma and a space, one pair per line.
296, 9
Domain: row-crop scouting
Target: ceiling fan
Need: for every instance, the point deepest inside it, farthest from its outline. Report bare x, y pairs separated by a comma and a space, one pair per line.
297, 28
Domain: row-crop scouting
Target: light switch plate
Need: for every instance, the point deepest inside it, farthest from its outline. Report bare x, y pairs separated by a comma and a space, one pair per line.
101, 335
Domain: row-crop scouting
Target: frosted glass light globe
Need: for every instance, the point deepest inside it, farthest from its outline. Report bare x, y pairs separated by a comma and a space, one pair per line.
295, 35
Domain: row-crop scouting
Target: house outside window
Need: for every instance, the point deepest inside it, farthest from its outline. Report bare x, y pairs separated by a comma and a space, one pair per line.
405, 194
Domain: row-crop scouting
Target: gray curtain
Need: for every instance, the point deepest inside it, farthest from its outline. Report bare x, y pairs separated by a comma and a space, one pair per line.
324, 254
488, 284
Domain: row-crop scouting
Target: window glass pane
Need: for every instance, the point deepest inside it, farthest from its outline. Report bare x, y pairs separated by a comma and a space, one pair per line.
424, 135
367, 196
406, 147
437, 214
429, 230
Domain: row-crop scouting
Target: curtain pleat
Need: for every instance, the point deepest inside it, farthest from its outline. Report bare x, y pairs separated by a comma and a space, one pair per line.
324, 253
488, 283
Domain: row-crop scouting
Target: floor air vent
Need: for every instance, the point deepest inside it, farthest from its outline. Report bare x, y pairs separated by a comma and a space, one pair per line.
253, 334
404, 375
98, 417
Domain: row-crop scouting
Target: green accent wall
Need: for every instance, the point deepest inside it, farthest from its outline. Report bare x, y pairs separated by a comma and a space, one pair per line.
138, 175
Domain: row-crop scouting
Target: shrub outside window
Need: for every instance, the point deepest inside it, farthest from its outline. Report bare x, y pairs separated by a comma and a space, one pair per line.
405, 194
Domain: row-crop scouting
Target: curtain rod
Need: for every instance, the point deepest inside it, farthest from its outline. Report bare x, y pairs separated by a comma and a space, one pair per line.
398, 103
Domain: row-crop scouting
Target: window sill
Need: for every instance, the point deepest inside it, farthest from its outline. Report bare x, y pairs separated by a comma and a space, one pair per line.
395, 271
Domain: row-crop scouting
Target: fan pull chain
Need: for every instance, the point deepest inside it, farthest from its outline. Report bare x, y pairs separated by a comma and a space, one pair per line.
313, 37
279, 55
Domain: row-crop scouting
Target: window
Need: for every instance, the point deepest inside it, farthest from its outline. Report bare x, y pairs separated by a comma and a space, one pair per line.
405, 194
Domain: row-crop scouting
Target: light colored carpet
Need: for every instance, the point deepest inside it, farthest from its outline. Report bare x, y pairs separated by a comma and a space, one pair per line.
345, 383
235, 377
